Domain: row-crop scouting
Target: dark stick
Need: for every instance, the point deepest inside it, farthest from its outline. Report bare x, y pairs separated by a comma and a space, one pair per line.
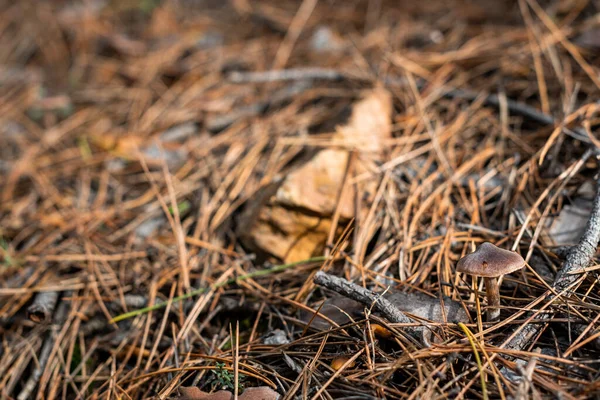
578, 258
42, 307
368, 298
221, 122
517, 108
292, 74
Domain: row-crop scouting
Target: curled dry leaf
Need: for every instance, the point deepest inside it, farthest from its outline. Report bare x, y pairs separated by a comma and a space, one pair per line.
259, 393
567, 228
292, 220
194, 393
276, 338
252, 393
338, 362
381, 331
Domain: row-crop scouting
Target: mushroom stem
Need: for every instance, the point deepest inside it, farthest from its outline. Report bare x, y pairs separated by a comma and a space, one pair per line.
493, 297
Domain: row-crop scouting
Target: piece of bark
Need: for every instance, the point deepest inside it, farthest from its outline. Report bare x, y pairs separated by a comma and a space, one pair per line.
340, 309
59, 318
42, 307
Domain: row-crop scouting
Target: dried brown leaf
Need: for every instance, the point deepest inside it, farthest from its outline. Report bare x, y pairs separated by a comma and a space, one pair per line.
194, 393
287, 226
251, 393
259, 393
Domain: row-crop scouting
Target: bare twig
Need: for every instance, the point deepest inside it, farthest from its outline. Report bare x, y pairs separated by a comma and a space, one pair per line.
578, 258
366, 297
291, 74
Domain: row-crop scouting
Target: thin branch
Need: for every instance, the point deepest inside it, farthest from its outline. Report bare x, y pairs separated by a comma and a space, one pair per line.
368, 298
283, 75
578, 258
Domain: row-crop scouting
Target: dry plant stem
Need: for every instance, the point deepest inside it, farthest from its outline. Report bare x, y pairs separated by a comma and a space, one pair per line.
578, 258
291, 74
59, 319
42, 307
493, 298
366, 297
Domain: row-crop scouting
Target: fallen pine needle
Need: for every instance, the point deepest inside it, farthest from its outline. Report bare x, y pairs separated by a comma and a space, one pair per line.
477, 359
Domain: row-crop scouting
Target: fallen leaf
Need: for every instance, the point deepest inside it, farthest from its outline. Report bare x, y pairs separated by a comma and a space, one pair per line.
567, 228
339, 309
194, 393
370, 122
292, 220
338, 362
259, 393
251, 393
427, 307
315, 185
276, 338
381, 331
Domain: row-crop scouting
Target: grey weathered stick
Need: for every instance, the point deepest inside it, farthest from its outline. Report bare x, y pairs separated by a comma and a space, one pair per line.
59, 318
578, 258
221, 122
292, 74
42, 307
368, 298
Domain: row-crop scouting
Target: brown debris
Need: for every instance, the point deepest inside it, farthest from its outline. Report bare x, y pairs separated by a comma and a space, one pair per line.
160, 160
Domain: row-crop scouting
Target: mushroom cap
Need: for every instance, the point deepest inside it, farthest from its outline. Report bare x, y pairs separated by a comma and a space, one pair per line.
490, 261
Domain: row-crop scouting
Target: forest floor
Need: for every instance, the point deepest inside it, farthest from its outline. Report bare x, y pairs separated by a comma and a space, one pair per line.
269, 198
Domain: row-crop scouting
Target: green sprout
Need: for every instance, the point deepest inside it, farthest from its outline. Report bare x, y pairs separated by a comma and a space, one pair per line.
224, 379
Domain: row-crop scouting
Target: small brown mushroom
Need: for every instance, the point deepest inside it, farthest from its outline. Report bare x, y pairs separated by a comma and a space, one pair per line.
491, 262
